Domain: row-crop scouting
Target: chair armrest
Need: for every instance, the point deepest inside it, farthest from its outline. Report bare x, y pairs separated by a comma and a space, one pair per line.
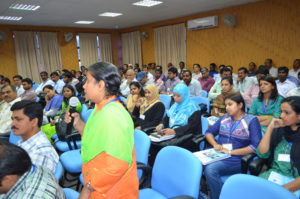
198, 138
182, 197
146, 177
73, 138
256, 165
245, 162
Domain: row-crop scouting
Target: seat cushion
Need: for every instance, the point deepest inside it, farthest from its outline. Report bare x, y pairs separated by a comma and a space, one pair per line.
63, 146
71, 194
71, 161
150, 193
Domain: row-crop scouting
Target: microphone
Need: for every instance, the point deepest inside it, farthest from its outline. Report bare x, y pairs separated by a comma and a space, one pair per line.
74, 101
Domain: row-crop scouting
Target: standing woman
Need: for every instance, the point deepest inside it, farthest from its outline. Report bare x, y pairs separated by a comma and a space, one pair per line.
267, 105
108, 156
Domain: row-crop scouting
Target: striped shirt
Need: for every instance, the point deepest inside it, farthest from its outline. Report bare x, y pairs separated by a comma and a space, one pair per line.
36, 183
41, 151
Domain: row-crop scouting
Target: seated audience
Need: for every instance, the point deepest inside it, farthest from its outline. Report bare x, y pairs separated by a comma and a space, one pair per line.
58, 83
9, 94
27, 118
124, 88
206, 81
53, 101
45, 81
21, 179
239, 134
217, 87
218, 105
18, 84
136, 94
281, 144
296, 68
181, 67
212, 70
172, 81
252, 92
142, 78
193, 84
295, 91
251, 69
69, 79
243, 81
150, 77
158, 81
163, 77
29, 93
150, 112
284, 85
267, 105
6, 81
197, 71
272, 70
2, 102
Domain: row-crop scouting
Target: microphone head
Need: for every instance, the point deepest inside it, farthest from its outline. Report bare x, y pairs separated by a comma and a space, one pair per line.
74, 101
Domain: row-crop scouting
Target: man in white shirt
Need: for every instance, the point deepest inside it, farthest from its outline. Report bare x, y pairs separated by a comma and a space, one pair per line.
130, 77
45, 81
58, 83
9, 94
296, 68
193, 84
149, 75
295, 91
243, 82
18, 84
272, 70
283, 84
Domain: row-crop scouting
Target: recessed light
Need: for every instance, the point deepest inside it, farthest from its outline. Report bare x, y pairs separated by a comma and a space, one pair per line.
110, 14
10, 18
147, 3
18, 6
84, 22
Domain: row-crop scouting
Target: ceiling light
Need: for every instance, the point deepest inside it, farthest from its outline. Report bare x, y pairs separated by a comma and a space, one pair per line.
10, 18
84, 22
147, 3
18, 6
110, 14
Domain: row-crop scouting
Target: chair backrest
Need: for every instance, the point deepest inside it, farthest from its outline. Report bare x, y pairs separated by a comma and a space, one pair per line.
204, 93
142, 145
84, 108
176, 172
71, 194
59, 171
293, 79
166, 100
13, 139
204, 125
85, 115
201, 100
248, 187
35, 86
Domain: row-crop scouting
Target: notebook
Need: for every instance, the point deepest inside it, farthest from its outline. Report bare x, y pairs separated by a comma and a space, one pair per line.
210, 155
159, 137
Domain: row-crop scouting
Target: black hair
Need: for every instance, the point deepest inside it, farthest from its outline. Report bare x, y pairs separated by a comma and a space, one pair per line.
43, 73
298, 73
108, 73
79, 72
27, 80
73, 91
49, 87
68, 74
54, 74
244, 69
31, 109
238, 99
274, 93
14, 160
173, 70
198, 65
13, 88
18, 76
187, 71
284, 69
225, 69
294, 102
139, 86
5, 79
158, 70
252, 64
262, 70
229, 79
65, 70
213, 65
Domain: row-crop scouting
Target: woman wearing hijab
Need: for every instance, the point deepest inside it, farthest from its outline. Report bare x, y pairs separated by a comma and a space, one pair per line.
150, 112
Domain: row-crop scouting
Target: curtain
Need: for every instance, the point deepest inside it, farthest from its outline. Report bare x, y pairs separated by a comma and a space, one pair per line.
131, 48
105, 47
88, 48
27, 55
50, 52
169, 44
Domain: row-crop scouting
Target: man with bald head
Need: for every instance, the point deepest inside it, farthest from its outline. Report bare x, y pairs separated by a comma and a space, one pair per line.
130, 76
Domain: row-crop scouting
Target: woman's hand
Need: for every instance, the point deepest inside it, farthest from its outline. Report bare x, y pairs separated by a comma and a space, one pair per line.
78, 123
138, 128
168, 131
224, 150
276, 123
159, 127
52, 123
139, 102
218, 147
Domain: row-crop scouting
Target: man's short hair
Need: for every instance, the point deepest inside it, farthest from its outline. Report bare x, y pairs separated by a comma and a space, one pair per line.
284, 69
14, 160
54, 74
225, 69
31, 109
18, 76
204, 69
43, 73
173, 70
262, 70
68, 75
27, 80
158, 70
13, 88
244, 69
187, 71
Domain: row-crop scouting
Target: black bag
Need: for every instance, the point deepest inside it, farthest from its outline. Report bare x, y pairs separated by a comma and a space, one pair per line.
61, 128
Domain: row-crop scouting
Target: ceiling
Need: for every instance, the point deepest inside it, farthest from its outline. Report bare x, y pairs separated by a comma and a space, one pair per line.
63, 13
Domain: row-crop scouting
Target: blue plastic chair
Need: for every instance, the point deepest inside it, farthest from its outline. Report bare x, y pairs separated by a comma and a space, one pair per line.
204, 123
86, 114
59, 171
166, 100
294, 80
71, 194
176, 172
71, 161
248, 187
35, 86
84, 108
204, 93
201, 100
13, 139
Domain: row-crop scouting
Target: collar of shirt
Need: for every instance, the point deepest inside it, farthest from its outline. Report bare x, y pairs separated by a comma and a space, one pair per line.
14, 101
30, 142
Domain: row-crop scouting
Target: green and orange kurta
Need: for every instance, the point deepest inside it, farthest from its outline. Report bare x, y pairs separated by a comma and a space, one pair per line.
108, 153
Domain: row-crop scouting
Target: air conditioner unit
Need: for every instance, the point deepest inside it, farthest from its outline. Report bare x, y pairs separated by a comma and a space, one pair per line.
201, 23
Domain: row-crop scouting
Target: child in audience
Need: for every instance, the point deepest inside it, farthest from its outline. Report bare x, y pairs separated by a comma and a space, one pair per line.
137, 93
